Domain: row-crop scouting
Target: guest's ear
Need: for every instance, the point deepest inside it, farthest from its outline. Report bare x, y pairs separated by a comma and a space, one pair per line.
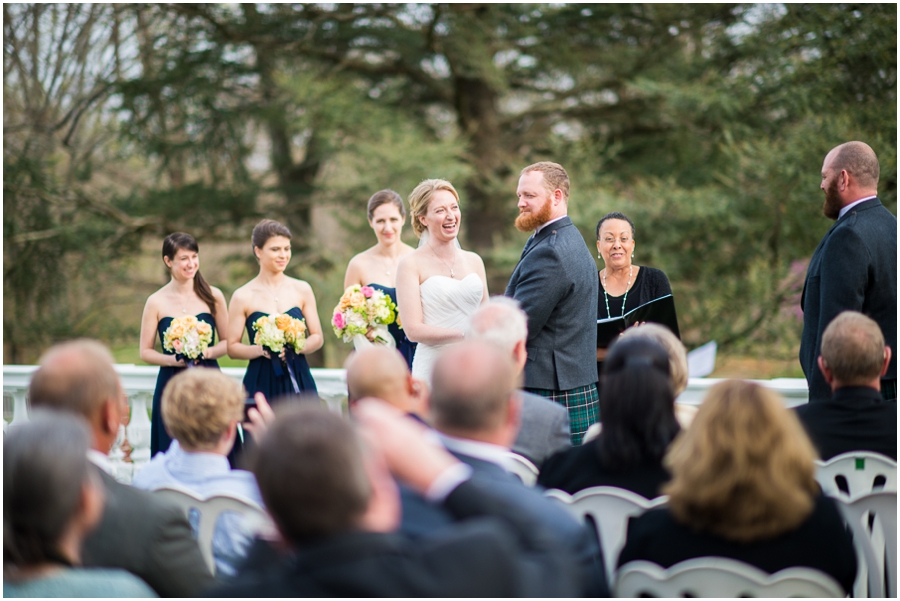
887, 360
823, 367
110, 417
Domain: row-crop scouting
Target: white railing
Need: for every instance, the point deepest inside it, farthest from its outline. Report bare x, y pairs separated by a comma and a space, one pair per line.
132, 448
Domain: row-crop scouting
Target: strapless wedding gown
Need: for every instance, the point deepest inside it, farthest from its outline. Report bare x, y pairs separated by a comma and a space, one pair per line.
446, 303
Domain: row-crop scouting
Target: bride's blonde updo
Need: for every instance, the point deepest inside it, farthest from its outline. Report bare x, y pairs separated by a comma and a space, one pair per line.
420, 198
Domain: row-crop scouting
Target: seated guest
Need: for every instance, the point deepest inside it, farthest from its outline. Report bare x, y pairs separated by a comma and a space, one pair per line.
475, 408
856, 418
743, 487
637, 413
544, 427
148, 536
336, 506
201, 409
376, 372
51, 500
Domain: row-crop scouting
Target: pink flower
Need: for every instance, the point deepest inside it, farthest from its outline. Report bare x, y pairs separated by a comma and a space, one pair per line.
338, 321
176, 344
367, 291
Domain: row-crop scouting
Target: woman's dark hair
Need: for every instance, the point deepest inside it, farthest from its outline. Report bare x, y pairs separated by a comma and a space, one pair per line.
181, 241
268, 228
383, 197
637, 407
45, 466
615, 215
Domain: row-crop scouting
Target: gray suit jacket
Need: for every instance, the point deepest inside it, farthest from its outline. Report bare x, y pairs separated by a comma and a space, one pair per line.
556, 284
854, 268
544, 429
150, 538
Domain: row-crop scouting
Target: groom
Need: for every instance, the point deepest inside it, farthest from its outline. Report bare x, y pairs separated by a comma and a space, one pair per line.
556, 284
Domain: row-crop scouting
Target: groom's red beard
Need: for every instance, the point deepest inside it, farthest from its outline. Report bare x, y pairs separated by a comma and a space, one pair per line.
528, 222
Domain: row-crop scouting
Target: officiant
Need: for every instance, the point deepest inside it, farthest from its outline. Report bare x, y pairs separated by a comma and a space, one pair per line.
623, 285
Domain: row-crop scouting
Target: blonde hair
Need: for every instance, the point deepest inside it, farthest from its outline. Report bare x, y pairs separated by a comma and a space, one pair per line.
555, 177
744, 470
420, 198
198, 406
678, 363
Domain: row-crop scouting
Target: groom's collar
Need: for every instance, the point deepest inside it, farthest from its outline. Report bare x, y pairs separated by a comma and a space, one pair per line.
538, 229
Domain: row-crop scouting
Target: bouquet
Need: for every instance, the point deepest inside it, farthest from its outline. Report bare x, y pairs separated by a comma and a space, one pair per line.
188, 337
363, 315
274, 332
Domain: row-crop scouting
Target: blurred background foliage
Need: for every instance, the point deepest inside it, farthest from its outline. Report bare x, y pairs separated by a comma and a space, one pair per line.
706, 123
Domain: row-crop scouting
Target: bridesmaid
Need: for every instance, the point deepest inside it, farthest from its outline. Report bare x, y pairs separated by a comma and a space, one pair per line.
273, 292
187, 293
377, 266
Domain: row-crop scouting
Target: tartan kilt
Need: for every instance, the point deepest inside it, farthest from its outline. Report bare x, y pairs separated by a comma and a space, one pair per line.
583, 404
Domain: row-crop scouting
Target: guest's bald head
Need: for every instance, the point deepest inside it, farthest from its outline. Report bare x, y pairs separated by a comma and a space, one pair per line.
859, 160
379, 372
76, 376
471, 388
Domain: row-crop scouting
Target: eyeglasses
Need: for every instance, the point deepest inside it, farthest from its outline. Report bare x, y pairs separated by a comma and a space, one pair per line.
610, 240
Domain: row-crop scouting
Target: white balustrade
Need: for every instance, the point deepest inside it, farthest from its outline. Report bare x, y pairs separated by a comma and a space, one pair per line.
139, 383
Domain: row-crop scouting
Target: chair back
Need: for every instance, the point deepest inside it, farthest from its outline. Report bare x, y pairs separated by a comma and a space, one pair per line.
858, 472
721, 577
210, 508
521, 467
877, 545
608, 508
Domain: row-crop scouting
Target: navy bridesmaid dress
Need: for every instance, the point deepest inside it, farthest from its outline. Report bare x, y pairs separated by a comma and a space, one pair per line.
159, 438
406, 346
262, 373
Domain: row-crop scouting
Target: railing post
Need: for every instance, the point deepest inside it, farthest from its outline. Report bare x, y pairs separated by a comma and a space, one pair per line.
138, 430
20, 407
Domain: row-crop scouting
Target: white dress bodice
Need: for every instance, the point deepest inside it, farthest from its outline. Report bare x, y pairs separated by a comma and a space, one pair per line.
446, 303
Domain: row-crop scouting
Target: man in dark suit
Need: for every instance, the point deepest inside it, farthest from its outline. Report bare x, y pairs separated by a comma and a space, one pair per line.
856, 418
855, 265
556, 284
138, 532
475, 408
336, 507
544, 427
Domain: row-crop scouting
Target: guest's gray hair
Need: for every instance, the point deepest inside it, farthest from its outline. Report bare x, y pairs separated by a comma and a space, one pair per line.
501, 321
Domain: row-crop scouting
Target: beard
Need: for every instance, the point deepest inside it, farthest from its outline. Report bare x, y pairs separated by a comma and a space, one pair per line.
528, 222
833, 205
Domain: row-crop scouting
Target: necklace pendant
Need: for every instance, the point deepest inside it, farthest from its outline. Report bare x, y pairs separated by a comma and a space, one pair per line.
452, 275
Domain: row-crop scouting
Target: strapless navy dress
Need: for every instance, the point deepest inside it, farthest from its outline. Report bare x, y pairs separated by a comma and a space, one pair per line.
406, 346
159, 438
272, 378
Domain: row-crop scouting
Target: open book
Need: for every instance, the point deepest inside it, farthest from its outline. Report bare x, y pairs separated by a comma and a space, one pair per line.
660, 310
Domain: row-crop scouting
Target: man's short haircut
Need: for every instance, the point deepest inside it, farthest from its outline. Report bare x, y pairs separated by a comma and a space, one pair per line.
500, 321
75, 376
471, 387
198, 405
555, 177
309, 467
853, 348
678, 363
860, 161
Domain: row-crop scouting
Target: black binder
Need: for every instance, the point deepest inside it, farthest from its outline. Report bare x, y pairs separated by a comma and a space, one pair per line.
660, 310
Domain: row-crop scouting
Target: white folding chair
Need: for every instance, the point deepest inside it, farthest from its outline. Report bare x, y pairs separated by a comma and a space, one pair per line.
878, 546
860, 470
721, 577
521, 467
255, 518
609, 508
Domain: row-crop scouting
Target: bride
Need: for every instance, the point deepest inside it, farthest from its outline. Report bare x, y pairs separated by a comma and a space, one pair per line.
439, 285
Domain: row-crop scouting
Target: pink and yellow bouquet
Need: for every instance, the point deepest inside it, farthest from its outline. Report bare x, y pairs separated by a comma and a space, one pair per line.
188, 336
364, 313
279, 330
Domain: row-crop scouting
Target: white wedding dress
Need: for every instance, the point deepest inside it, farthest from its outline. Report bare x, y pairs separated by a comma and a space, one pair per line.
446, 303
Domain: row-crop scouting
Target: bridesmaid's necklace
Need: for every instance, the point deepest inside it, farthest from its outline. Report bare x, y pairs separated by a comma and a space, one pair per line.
274, 291
450, 267
625, 298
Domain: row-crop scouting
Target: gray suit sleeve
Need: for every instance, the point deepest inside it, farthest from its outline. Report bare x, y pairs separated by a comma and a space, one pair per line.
177, 566
538, 288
